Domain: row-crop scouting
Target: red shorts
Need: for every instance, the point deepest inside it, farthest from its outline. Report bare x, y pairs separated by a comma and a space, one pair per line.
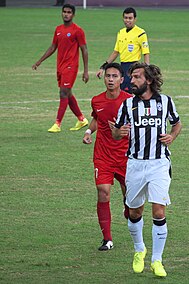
105, 173
66, 78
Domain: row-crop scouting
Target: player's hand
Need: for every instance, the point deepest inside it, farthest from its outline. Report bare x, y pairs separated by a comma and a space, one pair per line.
85, 77
166, 139
112, 123
34, 67
87, 139
99, 73
125, 130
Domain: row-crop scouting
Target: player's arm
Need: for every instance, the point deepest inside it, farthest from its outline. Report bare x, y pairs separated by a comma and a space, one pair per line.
144, 45
147, 58
110, 59
84, 52
168, 138
87, 139
48, 53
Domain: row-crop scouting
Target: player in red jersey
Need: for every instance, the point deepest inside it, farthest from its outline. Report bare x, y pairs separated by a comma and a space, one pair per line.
68, 38
109, 155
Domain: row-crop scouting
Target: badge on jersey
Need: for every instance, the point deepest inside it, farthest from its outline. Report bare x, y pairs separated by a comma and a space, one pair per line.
147, 111
68, 34
159, 106
145, 44
130, 47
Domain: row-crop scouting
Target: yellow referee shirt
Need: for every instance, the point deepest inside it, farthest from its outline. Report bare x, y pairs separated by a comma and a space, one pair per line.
132, 44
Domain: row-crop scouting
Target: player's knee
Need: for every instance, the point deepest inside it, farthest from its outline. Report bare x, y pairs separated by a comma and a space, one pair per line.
103, 195
135, 214
64, 93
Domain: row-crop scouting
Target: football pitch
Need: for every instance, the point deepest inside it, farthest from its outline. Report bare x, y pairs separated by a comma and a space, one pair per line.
49, 231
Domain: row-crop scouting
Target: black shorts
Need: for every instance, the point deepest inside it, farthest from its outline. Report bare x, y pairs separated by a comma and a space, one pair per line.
126, 85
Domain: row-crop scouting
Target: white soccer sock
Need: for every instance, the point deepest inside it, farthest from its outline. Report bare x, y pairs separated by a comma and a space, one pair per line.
136, 231
159, 236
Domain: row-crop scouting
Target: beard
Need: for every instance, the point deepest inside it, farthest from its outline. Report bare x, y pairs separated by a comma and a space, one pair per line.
139, 91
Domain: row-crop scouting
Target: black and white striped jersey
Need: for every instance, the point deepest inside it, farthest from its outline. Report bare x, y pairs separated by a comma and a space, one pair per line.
148, 119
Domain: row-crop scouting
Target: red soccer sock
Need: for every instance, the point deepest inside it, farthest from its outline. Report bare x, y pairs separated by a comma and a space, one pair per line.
61, 110
104, 219
75, 108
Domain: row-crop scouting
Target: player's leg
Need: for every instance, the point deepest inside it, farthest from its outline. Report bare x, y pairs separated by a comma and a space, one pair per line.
159, 236
104, 215
120, 176
82, 121
104, 177
135, 226
126, 208
73, 104
158, 194
135, 198
64, 95
66, 80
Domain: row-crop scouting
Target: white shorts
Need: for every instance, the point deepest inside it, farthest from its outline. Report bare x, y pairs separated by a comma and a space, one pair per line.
148, 179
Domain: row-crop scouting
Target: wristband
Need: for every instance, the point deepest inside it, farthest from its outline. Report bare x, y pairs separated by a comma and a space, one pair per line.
103, 66
88, 131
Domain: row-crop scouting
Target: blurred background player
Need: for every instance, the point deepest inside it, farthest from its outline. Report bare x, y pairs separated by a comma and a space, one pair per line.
59, 3
109, 155
68, 38
130, 44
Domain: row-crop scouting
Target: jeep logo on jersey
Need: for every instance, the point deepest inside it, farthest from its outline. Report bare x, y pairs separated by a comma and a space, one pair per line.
130, 47
151, 121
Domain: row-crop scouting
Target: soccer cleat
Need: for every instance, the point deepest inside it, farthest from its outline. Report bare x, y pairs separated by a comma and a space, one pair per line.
106, 245
158, 269
54, 129
138, 261
80, 124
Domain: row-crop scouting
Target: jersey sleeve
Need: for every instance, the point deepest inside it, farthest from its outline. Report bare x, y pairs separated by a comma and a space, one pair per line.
55, 38
121, 116
116, 47
172, 114
81, 37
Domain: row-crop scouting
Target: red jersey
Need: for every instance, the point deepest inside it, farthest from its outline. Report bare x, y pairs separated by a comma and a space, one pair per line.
106, 147
68, 40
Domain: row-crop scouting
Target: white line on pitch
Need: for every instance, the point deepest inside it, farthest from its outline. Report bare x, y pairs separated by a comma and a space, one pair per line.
40, 101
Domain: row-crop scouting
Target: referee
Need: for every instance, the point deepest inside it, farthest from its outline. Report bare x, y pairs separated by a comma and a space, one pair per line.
144, 118
131, 43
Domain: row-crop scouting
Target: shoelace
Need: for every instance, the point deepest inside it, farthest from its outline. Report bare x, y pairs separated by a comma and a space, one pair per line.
138, 257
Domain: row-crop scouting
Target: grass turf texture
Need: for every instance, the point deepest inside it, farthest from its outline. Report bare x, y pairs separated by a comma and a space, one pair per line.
49, 229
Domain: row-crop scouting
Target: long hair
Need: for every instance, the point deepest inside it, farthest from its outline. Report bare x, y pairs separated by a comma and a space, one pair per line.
151, 73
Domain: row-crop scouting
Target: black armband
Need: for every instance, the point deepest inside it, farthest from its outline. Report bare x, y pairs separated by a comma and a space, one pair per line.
103, 66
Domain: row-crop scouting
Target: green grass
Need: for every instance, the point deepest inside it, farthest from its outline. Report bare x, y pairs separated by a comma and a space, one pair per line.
49, 230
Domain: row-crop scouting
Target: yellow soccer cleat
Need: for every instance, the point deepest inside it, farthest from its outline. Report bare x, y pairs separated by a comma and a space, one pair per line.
54, 129
138, 261
80, 124
158, 269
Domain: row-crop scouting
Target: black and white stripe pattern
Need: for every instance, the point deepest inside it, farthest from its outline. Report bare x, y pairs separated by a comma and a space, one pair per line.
148, 120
